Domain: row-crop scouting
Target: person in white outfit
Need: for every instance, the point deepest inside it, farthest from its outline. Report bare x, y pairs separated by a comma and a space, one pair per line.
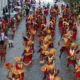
10, 39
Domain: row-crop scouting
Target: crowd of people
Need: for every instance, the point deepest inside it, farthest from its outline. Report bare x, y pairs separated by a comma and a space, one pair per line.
38, 26
7, 32
68, 30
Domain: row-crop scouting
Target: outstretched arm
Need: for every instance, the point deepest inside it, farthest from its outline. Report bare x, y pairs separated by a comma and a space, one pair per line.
8, 76
27, 64
56, 73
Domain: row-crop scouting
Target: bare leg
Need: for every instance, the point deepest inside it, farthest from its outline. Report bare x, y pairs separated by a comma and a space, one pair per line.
44, 77
9, 45
4, 58
1, 59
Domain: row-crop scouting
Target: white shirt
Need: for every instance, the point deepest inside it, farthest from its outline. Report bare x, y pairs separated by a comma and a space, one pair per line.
2, 36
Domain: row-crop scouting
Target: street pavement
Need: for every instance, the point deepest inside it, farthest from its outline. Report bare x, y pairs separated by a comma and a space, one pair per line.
34, 73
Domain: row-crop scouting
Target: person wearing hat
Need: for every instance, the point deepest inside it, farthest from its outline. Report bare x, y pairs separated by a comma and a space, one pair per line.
47, 68
44, 19
70, 24
77, 70
53, 75
64, 28
60, 25
28, 24
18, 18
66, 42
44, 49
49, 38
71, 57
25, 39
27, 54
51, 55
65, 13
19, 65
15, 76
74, 34
31, 41
35, 26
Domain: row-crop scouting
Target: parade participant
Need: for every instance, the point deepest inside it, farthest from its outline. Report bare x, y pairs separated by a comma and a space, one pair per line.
44, 49
79, 19
47, 68
54, 21
15, 75
19, 65
52, 28
51, 24
49, 37
74, 34
64, 29
64, 13
72, 55
3, 48
31, 41
44, 19
77, 70
18, 20
25, 39
28, 52
53, 75
65, 44
35, 25
60, 23
70, 24
51, 55
45, 11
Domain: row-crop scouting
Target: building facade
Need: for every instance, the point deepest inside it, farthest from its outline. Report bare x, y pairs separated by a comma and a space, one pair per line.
3, 4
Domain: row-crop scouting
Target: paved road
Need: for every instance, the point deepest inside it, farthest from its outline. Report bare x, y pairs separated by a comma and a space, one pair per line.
34, 73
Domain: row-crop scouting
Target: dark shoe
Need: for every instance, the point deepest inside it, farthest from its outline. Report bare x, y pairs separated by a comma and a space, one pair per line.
60, 56
44, 77
9, 45
12, 45
33, 51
